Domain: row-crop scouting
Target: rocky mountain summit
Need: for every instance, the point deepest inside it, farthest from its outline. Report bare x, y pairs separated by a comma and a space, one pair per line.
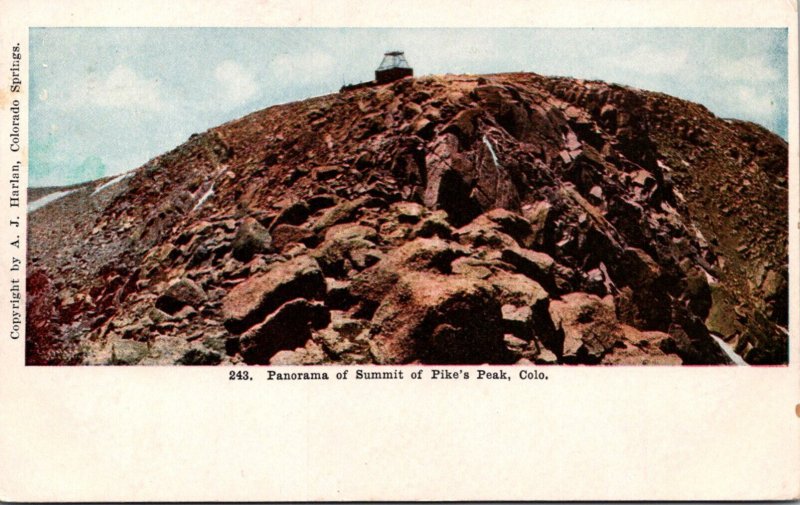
509, 218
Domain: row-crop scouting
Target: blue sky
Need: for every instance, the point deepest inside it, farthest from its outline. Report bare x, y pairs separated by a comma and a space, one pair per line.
106, 100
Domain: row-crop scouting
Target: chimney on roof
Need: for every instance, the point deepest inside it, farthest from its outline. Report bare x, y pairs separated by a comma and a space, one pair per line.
393, 67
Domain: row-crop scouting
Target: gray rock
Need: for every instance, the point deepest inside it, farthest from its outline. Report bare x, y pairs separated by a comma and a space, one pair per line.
251, 239
199, 356
180, 294
128, 352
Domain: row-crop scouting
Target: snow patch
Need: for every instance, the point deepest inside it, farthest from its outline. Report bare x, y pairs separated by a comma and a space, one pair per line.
488, 144
208, 194
729, 351
111, 182
52, 197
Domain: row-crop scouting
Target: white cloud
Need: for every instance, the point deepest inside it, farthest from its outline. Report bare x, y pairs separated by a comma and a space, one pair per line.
303, 68
122, 88
646, 59
758, 104
749, 103
748, 68
238, 83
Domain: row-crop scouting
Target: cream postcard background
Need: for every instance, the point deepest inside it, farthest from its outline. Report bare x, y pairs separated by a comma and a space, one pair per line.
171, 433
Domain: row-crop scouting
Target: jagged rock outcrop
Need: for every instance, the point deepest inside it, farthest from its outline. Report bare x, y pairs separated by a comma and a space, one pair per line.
510, 218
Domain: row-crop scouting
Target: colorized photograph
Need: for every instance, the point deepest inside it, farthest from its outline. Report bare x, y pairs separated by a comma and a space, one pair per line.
394, 196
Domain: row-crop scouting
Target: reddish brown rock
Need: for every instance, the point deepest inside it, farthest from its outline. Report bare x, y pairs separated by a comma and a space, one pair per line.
481, 233
438, 319
288, 327
641, 348
347, 246
285, 234
592, 334
341, 213
250, 301
536, 265
512, 224
421, 254
589, 324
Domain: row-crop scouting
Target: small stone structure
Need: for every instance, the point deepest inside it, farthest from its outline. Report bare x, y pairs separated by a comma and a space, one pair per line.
393, 67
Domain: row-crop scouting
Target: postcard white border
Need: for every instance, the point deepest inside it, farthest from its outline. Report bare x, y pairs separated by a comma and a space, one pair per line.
109, 434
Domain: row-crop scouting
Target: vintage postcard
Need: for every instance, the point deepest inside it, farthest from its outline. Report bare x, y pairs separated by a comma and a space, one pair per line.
363, 251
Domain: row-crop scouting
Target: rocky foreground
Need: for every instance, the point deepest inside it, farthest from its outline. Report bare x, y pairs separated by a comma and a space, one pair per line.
508, 218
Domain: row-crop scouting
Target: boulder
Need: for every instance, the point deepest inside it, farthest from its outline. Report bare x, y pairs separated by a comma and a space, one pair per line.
518, 289
641, 348
423, 127
284, 234
325, 172
471, 267
295, 213
438, 319
180, 294
322, 201
536, 265
637, 268
127, 352
644, 281
408, 212
478, 234
518, 321
341, 213
593, 335
365, 257
512, 224
199, 356
250, 301
251, 239
537, 215
589, 325
350, 231
346, 246
345, 339
338, 294
310, 354
464, 125
286, 328
426, 253
158, 316
545, 357
434, 225
421, 254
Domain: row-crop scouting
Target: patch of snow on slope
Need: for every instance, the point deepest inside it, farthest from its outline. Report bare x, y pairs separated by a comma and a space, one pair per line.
52, 197
729, 351
491, 150
111, 182
208, 194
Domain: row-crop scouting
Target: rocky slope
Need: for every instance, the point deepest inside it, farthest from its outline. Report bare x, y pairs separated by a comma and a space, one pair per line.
508, 218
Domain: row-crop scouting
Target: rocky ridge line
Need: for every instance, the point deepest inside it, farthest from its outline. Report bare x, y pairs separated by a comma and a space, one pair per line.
510, 218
